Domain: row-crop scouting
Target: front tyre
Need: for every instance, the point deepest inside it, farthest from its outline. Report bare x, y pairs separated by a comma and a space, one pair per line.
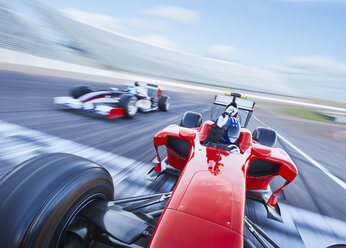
164, 103
129, 103
41, 198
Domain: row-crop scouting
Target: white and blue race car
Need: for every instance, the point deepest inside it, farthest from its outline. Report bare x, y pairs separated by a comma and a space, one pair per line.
115, 103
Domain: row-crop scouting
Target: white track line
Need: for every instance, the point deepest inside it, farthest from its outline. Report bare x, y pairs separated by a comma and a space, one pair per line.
18, 144
315, 229
312, 161
328, 173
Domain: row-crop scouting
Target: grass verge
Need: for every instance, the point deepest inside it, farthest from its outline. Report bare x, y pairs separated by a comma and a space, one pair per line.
308, 114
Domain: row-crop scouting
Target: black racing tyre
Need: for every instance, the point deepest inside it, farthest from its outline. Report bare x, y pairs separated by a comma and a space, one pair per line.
164, 103
129, 103
41, 197
191, 119
79, 91
265, 136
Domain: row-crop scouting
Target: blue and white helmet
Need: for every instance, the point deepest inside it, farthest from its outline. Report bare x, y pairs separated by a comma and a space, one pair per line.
132, 89
232, 131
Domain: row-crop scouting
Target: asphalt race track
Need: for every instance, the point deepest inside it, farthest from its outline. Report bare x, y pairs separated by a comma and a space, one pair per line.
314, 211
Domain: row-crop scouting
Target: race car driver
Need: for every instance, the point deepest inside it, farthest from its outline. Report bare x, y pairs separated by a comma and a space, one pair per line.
143, 91
232, 132
137, 89
226, 129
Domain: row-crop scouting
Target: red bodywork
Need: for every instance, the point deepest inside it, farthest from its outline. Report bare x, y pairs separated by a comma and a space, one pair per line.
207, 207
116, 112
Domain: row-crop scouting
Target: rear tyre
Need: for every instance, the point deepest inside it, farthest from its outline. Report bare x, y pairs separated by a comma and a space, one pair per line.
265, 136
129, 103
191, 119
164, 103
80, 91
41, 197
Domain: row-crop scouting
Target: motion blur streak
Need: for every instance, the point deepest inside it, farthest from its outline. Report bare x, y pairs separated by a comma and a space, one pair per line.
312, 161
11, 57
337, 180
315, 230
18, 144
90, 44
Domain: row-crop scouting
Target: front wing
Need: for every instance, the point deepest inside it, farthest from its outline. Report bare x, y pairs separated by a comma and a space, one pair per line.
99, 109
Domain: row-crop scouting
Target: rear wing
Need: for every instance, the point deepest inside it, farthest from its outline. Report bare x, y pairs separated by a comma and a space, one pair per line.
149, 86
241, 101
153, 90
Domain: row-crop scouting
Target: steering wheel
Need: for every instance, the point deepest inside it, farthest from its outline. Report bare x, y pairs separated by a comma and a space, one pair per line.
233, 148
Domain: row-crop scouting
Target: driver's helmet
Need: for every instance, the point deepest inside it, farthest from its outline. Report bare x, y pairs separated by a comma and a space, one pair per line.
232, 131
136, 83
132, 89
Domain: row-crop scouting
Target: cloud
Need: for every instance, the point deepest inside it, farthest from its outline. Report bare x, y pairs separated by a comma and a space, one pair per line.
147, 24
159, 40
103, 21
173, 13
289, 70
223, 52
112, 24
314, 65
29, 19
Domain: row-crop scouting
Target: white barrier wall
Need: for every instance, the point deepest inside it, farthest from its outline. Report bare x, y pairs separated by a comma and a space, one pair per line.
127, 54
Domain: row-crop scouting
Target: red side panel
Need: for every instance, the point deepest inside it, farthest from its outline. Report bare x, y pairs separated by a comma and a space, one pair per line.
245, 140
174, 160
178, 132
116, 112
181, 230
204, 130
175, 131
287, 170
258, 183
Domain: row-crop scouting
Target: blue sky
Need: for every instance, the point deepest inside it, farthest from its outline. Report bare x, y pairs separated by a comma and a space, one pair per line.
300, 37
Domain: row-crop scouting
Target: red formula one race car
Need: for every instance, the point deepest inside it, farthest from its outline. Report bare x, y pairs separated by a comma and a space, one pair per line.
115, 103
61, 200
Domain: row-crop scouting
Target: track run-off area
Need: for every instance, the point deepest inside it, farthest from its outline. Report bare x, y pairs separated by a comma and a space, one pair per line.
314, 211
